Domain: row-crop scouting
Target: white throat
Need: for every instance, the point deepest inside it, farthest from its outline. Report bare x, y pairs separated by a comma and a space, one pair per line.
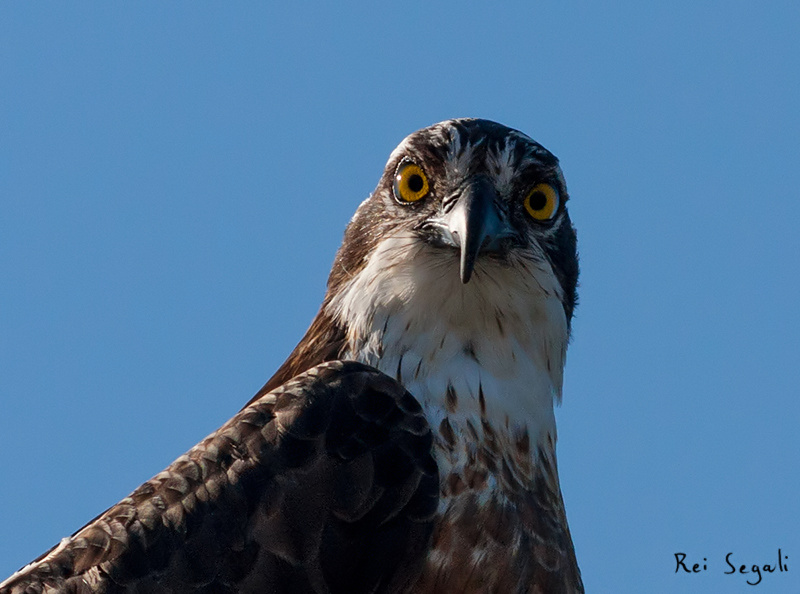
491, 349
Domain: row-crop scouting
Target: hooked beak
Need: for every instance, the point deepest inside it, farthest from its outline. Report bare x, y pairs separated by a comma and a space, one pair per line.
473, 224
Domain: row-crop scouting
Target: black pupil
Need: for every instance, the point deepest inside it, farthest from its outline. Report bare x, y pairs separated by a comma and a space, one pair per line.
415, 183
538, 201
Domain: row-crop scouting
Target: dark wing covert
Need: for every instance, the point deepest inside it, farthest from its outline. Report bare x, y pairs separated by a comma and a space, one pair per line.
327, 484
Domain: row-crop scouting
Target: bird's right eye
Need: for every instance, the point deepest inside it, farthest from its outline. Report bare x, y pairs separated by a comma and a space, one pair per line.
410, 183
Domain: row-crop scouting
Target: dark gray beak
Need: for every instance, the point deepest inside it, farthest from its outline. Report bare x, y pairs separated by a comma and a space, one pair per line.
473, 224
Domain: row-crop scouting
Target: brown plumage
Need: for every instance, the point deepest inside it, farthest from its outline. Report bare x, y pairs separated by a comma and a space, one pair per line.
290, 495
456, 281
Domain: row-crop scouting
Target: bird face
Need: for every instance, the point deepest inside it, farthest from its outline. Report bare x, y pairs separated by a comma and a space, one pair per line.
478, 196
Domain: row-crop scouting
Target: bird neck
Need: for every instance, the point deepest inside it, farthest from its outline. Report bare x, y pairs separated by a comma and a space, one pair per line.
485, 359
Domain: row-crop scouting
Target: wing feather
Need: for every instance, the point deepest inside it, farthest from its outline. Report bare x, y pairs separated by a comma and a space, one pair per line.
325, 485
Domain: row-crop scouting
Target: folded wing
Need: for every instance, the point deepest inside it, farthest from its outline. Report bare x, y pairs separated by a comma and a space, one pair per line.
327, 484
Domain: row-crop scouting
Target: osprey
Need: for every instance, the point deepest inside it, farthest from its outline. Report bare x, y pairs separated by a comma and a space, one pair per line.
408, 442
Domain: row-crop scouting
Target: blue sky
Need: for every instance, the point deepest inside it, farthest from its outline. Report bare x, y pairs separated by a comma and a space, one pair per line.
175, 179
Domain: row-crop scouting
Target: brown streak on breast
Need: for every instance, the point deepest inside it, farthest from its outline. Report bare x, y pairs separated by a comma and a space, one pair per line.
476, 477
522, 442
522, 454
454, 485
450, 399
487, 459
418, 369
473, 432
447, 434
400, 368
490, 437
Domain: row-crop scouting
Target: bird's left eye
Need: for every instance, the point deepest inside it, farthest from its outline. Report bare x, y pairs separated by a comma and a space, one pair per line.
410, 183
542, 202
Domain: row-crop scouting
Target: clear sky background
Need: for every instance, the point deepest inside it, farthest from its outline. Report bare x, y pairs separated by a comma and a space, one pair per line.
175, 179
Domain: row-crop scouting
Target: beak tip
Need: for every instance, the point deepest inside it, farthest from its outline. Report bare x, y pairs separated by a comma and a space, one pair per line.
465, 272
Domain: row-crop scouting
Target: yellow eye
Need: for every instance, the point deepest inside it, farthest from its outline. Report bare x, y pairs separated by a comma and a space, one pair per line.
542, 202
410, 183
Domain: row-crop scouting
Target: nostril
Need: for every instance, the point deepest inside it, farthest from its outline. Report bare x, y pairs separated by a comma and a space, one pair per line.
450, 201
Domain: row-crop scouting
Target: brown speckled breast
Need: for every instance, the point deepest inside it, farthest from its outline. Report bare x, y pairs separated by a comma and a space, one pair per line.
502, 526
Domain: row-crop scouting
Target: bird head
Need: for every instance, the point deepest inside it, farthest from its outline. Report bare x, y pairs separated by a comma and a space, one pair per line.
470, 198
